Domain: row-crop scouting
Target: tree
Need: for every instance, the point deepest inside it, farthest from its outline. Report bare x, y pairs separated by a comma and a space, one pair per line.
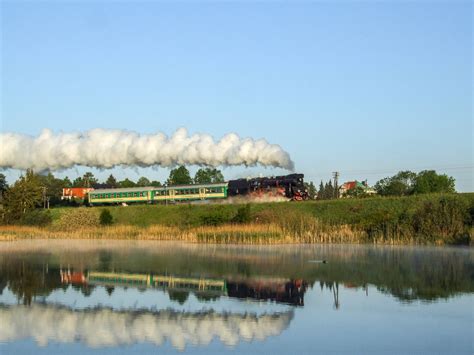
428, 181
155, 183
127, 183
143, 181
400, 184
52, 188
111, 181
208, 176
321, 191
328, 191
25, 194
78, 182
179, 176
87, 180
312, 192
3, 186
67, 182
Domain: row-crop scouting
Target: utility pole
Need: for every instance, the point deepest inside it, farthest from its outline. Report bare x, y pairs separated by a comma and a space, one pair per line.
336, 185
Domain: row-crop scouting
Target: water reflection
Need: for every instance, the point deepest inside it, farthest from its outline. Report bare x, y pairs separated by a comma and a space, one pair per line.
106, 327
267, 289
113, 294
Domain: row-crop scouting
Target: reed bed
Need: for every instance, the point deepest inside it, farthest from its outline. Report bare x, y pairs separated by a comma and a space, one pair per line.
224, 234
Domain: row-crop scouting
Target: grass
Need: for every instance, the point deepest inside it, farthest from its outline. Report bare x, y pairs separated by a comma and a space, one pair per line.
423, 219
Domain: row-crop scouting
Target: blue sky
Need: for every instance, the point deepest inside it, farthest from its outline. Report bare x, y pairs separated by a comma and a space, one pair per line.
364, 88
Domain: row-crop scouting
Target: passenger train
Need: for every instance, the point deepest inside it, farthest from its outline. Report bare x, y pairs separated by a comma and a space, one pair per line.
289, 186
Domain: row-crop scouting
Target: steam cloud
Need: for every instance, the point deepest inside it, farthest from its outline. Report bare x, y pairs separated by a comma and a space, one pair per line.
103, 148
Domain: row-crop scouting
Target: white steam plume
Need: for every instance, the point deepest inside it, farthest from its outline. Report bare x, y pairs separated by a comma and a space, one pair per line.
103, 148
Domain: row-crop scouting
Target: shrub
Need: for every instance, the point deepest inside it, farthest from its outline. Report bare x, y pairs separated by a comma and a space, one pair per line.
37, 217
106, 218
443, 219
243, 214
215, 217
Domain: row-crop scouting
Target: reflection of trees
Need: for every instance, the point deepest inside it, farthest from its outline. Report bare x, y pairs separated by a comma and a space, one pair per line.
334, 288
105, 259
206, 297
27, 280
179, 296
408, 273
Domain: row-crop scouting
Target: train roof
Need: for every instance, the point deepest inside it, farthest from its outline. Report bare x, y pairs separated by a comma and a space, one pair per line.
158, 188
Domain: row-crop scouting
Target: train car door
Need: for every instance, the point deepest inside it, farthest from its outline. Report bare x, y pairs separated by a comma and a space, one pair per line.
202, 193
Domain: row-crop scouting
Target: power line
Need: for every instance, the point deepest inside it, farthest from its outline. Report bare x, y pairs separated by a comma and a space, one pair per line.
375, 172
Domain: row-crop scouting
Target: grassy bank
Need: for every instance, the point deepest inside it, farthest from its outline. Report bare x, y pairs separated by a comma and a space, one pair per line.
422, 219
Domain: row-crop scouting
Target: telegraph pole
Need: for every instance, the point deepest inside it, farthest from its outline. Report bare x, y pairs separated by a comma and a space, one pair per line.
335, 175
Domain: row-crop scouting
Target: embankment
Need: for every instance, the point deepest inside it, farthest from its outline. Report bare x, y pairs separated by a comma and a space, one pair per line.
423, 219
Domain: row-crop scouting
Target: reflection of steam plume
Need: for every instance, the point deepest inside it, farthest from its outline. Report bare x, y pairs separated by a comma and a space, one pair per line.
98, 328
107, 148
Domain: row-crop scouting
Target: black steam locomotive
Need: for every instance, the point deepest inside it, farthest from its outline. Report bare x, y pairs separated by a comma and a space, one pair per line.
288, 186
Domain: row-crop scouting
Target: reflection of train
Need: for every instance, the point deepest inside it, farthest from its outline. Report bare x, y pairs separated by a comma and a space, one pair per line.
283, 291
277, 290
289, 186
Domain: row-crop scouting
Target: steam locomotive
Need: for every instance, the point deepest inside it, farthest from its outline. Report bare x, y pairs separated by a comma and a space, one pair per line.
289, 186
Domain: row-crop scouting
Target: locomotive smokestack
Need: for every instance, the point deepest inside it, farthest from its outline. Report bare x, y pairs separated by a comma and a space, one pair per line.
103, 148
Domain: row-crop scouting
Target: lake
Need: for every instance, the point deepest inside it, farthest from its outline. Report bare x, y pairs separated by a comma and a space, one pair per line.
104, 297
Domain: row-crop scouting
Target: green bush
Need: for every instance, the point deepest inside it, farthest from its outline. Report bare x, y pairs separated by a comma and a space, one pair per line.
106, 218
443, 219
215, 217
37, 217
243, 214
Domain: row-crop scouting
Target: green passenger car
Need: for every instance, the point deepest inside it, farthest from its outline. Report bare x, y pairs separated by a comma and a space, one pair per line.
178, 193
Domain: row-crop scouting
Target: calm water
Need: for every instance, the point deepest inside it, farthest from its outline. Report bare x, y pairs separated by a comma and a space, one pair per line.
109, 297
